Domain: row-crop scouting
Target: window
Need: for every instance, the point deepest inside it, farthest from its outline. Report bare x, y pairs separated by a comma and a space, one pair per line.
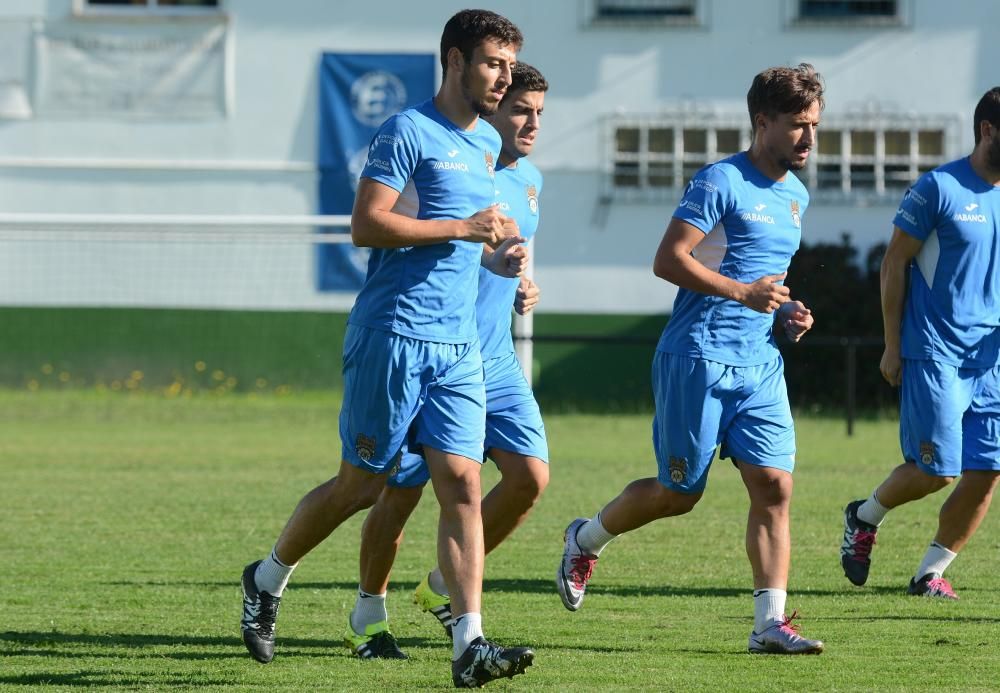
872, 159
146, 7
643, 13
653, 157
859, 158
852, 12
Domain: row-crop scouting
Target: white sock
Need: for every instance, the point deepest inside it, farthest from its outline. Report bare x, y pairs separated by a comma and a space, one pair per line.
936, 560
871, 511
436, 580
369, 609
465, 629
768, 608
272, 575
592, 537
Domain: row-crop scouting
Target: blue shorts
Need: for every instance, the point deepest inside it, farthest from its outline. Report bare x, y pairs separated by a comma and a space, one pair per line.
949, 418
701, 404
513, 421
400, 390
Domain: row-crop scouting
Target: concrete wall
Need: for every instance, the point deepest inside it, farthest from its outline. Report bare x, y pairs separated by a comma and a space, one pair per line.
593, 255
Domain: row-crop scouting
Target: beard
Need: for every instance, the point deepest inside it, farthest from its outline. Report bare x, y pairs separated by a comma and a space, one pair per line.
993, 154
480, 106
789, 165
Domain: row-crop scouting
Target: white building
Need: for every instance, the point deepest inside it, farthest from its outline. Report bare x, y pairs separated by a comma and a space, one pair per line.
210, 107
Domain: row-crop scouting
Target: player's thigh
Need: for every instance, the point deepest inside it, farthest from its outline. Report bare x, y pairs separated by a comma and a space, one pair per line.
383, 388
760, 431
688, 394
934, 398
452, 415
981, 425
513, 419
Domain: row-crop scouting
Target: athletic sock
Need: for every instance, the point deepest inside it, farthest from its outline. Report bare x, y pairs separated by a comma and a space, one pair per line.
465, 629
768, 608
871, 511
272, 575
436, 580
369, 609
592, 537
936, 560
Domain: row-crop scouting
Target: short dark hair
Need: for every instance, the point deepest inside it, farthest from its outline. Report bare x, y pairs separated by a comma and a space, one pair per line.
784, 90
469, 28
988, 108
524, 77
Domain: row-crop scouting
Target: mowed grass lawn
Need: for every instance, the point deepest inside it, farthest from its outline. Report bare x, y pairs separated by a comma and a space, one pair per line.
127, 520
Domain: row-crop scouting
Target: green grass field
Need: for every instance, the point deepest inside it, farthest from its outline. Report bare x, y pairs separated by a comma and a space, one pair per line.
128, 518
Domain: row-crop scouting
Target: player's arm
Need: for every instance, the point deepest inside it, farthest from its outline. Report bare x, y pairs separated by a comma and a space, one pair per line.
509, 259
902, 249
675, 263
375, 225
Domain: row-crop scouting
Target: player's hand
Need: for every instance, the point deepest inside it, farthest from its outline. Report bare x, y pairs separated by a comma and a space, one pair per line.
510, 259
487, 226
796, 319
891, 366
766, 295
526, 296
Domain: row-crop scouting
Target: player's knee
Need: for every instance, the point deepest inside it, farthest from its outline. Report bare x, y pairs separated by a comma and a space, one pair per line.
530, 485
670, 503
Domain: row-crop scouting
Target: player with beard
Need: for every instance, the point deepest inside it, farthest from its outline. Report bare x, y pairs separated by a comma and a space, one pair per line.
412, 367
941, 315
515, 434
717, 374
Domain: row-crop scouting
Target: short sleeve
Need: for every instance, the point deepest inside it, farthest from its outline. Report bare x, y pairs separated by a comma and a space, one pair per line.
705, 200
394, 153
918, 212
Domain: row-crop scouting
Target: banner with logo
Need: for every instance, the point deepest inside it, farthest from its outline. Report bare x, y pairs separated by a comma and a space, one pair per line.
357, 92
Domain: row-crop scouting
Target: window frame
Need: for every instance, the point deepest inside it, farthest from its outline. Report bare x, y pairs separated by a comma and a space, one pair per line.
84, 8
882, 187
592, 19
902, 18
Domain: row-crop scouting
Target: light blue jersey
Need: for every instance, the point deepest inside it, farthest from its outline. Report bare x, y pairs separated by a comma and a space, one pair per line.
517, 191
952, 311
442, 172
753, 227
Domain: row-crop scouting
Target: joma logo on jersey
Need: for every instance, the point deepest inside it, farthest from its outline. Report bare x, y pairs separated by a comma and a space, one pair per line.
451, 166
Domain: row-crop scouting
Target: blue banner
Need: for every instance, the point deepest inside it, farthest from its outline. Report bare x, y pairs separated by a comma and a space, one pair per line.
357, 92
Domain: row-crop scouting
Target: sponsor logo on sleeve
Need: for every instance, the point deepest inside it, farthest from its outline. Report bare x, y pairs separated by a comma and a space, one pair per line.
914, 197
907, 216
692, 205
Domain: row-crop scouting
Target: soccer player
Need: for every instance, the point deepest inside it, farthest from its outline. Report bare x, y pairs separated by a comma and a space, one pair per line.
412, 368
515, 436
717, 373
941, 315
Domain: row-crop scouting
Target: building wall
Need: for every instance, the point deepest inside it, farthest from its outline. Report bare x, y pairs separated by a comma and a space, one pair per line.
593, 254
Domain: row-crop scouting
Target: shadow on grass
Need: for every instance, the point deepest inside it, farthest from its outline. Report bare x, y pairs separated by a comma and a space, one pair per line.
539, 586
90, 679
290, 647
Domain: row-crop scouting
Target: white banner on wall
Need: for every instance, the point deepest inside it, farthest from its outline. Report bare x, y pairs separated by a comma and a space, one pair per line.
132, 70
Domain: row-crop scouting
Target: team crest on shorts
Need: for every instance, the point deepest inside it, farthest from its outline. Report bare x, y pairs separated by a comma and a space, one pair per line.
490, 168
532, 192
365, 447
678, 469
796, 219
926, 452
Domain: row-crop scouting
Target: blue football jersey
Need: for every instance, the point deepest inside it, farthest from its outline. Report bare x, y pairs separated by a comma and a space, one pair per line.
442, 172
517, 191
753, 227
952, 308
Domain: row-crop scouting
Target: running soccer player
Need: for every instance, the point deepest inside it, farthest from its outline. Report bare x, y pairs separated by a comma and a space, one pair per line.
515, 436
941, 315
717, 374
412, 367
